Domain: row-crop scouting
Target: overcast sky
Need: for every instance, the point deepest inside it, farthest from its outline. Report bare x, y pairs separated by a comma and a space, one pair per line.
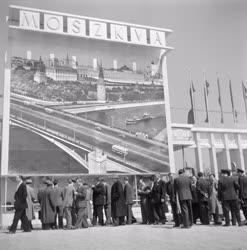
207, 36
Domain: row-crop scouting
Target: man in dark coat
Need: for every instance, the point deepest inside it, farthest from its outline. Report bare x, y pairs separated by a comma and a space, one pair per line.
58, 196
195, 200
143, 192
107, 204
118, 202
243, 191
81, 205
20, 207
158, 194
98, 201
182, 187
47, 205
203, 188
128, 195
228, 194
170, 191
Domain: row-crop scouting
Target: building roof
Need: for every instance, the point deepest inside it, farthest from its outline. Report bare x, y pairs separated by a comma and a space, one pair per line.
63, 68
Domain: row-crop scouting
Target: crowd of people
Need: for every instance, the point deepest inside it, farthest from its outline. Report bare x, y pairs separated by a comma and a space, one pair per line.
78, 203
192, 199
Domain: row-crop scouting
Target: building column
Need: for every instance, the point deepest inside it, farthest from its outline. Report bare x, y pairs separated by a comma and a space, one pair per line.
213, 156
198, 153
240, 151
228, 157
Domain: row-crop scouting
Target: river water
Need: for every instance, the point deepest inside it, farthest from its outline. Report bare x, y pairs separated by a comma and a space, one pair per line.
117, 118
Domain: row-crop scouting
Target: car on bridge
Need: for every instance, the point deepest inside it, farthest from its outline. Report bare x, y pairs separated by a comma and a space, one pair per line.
119, 149
98, 128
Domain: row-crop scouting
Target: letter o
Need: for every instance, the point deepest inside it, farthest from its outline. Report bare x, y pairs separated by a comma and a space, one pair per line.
53, 23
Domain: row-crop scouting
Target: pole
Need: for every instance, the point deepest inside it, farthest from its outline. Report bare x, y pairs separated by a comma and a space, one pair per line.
5, 193
244, 96
136, 191
167, 112
206, 95
193, 97
5, 81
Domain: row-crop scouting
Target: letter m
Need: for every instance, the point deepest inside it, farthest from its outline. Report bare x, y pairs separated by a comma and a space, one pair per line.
29, 20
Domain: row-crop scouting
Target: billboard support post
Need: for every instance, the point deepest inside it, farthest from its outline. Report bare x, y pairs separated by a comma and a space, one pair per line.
167, 112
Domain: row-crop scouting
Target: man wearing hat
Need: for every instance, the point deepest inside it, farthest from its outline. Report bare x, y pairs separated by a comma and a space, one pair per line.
31, 198
81, 205
243, 191
228, 194
58, 197
128, 195
47, 204
98, 201
20, 206
203, 188
158, 194
118, 204
68, 202
183, 191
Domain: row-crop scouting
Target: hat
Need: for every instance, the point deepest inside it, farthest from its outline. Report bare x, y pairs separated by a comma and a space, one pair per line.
70, 180
240, 171
29, 181
55, 181
100, 178
49, 182
226, 171
180, 171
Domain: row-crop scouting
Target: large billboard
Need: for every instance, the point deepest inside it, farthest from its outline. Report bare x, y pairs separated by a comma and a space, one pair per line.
86, 96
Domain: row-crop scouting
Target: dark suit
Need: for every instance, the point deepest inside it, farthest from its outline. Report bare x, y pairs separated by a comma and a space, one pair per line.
158, 193
58, 196
81, 207
128, 195
170, 191
195, 203
98, 203
228, 193
118, 205
243, 194
182, 187
47, 205
20, 209
203, 188
143, 192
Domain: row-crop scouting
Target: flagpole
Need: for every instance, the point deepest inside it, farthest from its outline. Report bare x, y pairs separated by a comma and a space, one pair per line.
193, 97
244, 96
206, 95
220, 102
232, 101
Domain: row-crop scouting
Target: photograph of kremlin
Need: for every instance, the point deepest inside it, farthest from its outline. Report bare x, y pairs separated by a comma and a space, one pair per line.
65, 80
71, 117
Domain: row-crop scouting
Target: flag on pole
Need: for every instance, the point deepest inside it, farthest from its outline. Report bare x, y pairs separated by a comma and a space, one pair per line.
206, 92
220, 103
245, 97
234, 111
191, 114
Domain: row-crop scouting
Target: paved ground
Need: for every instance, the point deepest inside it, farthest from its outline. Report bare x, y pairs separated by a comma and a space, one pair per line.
144, 237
